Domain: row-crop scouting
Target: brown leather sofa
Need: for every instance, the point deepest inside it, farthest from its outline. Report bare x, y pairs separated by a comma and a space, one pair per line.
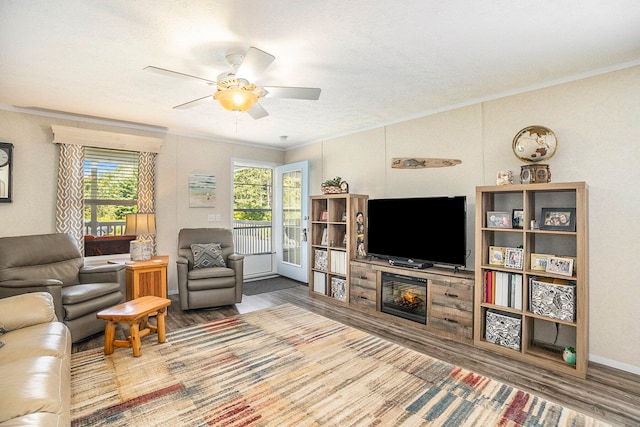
53, 263
35, 363
208, 287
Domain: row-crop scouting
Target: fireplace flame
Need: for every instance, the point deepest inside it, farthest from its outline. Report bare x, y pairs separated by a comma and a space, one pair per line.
408, 297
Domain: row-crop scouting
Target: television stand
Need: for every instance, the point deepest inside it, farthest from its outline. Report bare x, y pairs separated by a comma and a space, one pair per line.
409, 263
449, 296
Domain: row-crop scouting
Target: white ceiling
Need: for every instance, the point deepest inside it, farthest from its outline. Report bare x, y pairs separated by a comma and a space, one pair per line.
377, 62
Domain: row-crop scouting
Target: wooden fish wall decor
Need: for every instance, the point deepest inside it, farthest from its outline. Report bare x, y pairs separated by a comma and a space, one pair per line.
419, 163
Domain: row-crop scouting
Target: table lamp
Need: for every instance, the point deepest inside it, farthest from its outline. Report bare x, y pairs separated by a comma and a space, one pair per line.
140, 224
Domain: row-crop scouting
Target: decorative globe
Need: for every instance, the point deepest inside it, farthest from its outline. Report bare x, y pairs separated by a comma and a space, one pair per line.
535, 144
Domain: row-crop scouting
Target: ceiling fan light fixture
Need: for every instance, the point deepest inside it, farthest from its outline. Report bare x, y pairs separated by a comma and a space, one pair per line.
236, 99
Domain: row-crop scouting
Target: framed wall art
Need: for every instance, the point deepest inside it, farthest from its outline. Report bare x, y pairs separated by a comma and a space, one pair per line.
561, 219
202, 191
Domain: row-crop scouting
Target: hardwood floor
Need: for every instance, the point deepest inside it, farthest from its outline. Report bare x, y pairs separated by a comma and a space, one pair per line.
606, 393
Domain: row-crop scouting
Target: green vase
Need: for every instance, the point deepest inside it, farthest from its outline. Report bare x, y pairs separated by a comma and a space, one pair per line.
569, 356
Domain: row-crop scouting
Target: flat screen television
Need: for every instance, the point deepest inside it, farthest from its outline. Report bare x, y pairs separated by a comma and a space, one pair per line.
419, 230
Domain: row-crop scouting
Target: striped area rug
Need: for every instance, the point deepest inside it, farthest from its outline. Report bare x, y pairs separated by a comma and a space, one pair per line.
285, 366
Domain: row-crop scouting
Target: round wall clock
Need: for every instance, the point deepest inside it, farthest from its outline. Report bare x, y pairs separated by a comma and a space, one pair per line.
6, 159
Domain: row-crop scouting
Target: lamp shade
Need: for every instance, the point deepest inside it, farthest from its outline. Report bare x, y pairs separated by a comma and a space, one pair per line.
140, 223
236, 99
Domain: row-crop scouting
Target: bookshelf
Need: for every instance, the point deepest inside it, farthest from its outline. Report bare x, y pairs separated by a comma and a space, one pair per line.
334, 243
522, 308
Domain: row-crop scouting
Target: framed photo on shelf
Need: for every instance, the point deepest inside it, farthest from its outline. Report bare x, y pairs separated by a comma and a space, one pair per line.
499, 219
561, 219
560, 265
513, 258
539, 261
517, 218
324, 239
496, 255
324, 216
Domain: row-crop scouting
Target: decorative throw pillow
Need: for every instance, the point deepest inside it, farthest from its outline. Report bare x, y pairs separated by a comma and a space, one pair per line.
207, 255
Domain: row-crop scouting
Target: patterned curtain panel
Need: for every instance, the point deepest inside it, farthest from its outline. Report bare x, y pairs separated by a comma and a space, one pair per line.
147, 189
70, 198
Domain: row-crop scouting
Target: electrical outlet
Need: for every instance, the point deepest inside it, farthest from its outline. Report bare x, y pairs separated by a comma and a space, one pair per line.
214, 217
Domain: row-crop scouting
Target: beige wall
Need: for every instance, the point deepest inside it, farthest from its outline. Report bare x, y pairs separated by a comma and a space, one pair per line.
35, 179
597, 121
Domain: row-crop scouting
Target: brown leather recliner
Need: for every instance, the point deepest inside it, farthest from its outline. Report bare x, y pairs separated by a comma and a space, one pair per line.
213, 286
52, 263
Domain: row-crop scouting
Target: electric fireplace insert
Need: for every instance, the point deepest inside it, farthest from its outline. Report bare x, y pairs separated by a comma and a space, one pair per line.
405, 297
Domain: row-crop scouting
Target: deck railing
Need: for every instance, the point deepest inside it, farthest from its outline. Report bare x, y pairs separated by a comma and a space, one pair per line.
252, 237
104, 228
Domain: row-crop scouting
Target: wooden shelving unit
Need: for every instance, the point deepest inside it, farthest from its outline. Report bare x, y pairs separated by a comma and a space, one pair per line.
543, 336
333, 243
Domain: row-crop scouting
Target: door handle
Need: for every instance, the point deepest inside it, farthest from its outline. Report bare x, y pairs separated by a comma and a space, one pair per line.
304, 234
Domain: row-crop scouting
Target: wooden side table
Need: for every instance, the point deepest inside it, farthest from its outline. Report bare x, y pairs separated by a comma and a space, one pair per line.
145, 277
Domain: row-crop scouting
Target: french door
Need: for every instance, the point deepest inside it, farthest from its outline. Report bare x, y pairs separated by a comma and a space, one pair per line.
291, 217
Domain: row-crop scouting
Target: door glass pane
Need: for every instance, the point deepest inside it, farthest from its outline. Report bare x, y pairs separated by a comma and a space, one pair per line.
252, 204
291, 216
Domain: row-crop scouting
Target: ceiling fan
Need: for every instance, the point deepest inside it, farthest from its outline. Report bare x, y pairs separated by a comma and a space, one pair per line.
235, 89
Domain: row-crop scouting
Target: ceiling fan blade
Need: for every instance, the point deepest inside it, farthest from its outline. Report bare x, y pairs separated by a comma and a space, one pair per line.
195, 102
311, 93
257, 111
169, 73
254, 63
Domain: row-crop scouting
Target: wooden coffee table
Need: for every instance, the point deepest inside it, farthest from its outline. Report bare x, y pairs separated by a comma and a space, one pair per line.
136, 313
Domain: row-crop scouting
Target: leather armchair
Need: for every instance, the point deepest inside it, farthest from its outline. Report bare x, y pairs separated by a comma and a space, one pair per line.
52, 263
208, 287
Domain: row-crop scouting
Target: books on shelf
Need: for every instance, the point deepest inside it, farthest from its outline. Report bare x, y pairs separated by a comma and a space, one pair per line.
504, 289
319, 282
338, 261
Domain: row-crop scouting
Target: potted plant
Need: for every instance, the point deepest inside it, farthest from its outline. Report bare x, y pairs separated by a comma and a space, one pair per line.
332, 185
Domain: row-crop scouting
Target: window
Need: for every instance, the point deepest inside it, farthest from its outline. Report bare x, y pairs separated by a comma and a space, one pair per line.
110, 192
252, 209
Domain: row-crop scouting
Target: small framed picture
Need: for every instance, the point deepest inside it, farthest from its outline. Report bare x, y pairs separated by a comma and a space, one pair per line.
499, 219
513, 258
517, 218
324, 216
562, 219
539, 262
560, 265
496, 255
